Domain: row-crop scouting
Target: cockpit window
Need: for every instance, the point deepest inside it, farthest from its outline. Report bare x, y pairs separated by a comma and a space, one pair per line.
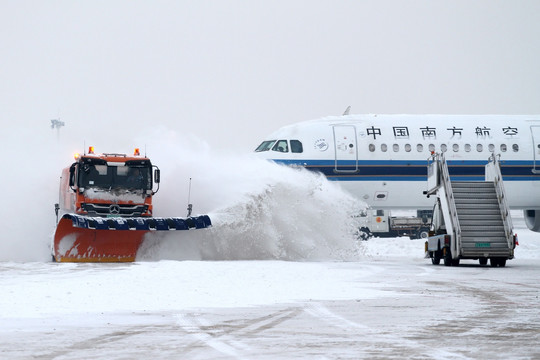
281, 146
265, 146
296, 146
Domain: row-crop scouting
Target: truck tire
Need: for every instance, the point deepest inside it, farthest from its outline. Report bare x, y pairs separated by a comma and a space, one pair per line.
483, 261
495, 262
422, 234
435, 260
447, 261
364, 234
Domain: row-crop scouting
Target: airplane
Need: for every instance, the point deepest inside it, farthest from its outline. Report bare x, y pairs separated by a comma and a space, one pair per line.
382, 159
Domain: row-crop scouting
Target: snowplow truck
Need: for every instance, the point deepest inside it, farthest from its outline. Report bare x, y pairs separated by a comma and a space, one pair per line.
105, 208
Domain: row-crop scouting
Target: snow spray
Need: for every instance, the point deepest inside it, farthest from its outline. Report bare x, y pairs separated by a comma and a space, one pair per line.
259, 210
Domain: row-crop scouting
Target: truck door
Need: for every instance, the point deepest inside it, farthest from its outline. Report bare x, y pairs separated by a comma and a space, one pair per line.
345, 146
535, 132
380, 221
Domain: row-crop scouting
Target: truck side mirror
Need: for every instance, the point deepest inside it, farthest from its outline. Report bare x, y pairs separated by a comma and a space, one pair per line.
156, 176
72, 175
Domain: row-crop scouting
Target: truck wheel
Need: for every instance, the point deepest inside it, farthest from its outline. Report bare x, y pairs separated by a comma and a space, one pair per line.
455, 262
494, 262
435, 260
447, 261
364, 234
422, 234
483, 261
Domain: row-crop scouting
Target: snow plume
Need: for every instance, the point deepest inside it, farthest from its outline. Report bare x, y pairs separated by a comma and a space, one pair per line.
259, 210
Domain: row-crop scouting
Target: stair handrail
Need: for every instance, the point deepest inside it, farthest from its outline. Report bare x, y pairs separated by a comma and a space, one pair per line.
446, 184
493, 173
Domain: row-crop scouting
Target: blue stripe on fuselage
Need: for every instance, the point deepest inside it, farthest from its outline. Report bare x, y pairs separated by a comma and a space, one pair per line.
410, 170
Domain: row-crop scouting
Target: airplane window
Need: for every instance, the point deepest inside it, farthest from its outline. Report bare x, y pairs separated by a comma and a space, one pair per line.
408, 147
371, 147
395, 147
467, 147
503, 147
515, 147
491, 147
455, 147
384, 147
296, 146
265, 145
479, 148
419, 147
281, 146
431, 148
444, 147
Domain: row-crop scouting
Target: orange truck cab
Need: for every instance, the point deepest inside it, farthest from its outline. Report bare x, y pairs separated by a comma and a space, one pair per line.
109, 185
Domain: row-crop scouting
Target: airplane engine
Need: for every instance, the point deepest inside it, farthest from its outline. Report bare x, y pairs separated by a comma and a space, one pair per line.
532, 219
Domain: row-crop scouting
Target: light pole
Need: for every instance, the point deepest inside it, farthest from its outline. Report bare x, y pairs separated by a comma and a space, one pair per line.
57, 124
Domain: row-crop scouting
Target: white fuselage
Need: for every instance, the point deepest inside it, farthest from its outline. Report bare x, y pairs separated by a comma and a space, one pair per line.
382, 159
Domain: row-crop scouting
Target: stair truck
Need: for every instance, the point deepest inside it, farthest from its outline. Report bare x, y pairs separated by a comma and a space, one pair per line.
105, 208
471, 219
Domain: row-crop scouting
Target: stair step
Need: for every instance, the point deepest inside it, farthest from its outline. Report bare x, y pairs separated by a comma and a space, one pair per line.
472, 184
482, 206
473, 213
459, 194
482, 235
475, 196
482, 229
486, 200
494, 242
468, 224
483, 224
467, 215
473, 189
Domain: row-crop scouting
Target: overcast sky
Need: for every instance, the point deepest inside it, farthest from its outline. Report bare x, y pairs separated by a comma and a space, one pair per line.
230, 72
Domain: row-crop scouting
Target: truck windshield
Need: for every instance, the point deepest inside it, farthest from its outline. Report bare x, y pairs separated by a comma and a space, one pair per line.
115, 177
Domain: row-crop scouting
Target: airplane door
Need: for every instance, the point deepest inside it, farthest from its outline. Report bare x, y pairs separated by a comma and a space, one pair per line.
345, 145
535, 132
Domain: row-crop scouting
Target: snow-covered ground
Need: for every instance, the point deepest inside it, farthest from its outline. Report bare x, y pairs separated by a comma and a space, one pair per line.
389, 303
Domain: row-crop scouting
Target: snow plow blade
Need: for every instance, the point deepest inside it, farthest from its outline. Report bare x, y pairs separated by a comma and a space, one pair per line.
93, 239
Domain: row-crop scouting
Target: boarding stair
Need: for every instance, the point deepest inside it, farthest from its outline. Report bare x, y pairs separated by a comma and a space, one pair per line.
475, 213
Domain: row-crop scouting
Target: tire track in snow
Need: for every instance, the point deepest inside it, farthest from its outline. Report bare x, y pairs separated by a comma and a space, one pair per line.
223, 337
321, 312
194, 328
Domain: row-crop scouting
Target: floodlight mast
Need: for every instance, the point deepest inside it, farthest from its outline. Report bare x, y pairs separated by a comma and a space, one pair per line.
56, 123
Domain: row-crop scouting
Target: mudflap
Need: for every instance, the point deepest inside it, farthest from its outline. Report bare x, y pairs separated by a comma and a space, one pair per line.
89, 239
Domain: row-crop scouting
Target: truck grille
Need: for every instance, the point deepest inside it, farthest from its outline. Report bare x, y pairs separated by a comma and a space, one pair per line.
122, 210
